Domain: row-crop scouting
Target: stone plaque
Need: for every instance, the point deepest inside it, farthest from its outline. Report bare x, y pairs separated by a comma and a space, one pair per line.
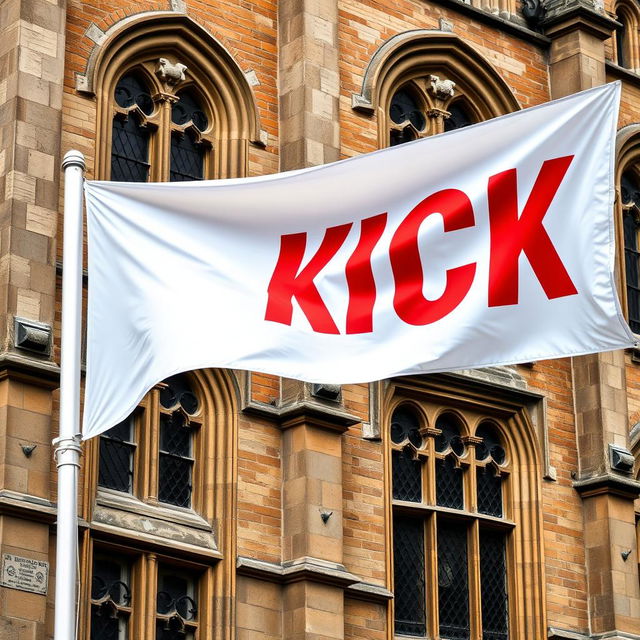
24, 573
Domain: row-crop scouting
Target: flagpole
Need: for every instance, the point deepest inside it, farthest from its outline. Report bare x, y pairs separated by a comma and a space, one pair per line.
67, 446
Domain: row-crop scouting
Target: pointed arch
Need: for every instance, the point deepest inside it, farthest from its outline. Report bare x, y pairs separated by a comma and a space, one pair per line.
445, 67
140, 42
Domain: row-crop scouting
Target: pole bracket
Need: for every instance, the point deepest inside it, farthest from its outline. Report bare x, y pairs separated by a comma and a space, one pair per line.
67, 451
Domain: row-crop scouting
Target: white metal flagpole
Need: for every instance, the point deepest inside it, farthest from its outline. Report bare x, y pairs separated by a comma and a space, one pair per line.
67, 446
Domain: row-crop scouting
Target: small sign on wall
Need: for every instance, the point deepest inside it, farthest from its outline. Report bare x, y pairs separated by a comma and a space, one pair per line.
25, 574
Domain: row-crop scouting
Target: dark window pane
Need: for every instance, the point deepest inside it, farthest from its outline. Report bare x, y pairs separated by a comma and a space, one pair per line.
175, 463
132, 90
489, 492
460, 117
178, 391
491, 445
187, 154
450, 436
187, 110
175, 437
176, 602
453, 589
104, 626
449, 490
109, 592
129, 150
405, 108
115, 469
631, 199
171, 629
621, 37
400, 137
493, 583
187, 157
408, 576
407, 477
405, 425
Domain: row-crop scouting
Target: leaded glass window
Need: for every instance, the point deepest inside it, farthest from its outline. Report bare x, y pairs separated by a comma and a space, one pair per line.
453, 582
161, 129
493, 585
179, 404
176, 605
489, 479
110, 598
448, 496
409, 576
449, 481
407, 476
630, 196
187, 147
408, 456
117, 448
130, 134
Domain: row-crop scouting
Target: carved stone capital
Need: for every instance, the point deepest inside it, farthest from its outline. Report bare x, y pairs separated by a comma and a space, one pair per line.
438, 113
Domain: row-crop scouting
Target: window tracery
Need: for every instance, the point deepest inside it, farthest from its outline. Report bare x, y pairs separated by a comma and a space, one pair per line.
154, 119
458, 472
427, 106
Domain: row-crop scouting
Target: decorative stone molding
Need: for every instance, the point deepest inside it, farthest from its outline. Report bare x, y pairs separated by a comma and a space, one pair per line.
608, 483
171, 74
314, 570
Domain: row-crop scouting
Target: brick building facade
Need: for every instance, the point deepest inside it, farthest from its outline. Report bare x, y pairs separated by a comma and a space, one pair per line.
490, 504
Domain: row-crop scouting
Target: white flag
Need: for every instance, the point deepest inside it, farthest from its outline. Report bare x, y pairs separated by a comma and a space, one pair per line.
483, 246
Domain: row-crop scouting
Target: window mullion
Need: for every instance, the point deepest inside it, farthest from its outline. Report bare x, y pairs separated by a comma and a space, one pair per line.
475, 604
152, 424
472, 483
162, 149
148, 585
431, 571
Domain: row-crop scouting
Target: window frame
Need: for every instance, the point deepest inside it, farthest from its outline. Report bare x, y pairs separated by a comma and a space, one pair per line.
145, 567
431, 514
522, 522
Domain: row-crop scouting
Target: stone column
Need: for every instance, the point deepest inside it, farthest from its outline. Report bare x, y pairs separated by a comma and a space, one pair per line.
309, 83
578, 30
312, 530
32, 34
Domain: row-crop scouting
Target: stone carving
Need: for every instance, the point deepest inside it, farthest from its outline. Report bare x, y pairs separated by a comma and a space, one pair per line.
442, 89
170, 74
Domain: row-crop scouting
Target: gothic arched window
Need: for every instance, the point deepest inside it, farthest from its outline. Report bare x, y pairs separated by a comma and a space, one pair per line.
452, 524
165, 137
